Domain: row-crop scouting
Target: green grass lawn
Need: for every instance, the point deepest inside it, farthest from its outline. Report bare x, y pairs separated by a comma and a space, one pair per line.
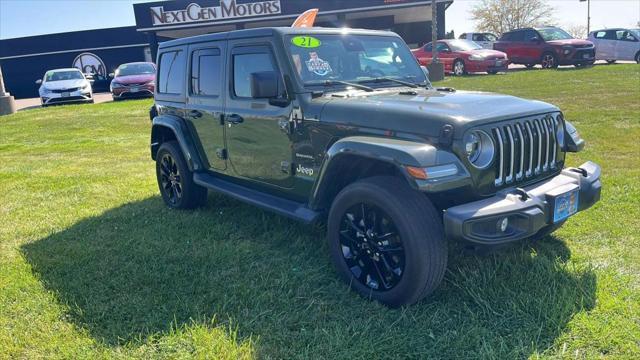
92, 264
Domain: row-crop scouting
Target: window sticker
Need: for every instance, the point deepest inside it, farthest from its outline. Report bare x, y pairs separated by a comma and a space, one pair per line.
306, 42
317, 65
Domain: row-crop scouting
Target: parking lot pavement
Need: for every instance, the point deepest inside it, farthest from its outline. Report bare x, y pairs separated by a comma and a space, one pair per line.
24, 104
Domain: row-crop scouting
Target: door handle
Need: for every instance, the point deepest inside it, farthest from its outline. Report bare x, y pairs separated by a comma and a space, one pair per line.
235, 119
195, 114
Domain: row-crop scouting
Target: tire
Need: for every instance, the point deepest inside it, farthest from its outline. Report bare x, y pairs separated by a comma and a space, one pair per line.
458, 68
530, 66
412, 241
638, 58
611, 62
549, 61
492, 72
175, 180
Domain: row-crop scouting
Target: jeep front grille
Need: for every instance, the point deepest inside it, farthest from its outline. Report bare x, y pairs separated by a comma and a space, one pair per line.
526, 148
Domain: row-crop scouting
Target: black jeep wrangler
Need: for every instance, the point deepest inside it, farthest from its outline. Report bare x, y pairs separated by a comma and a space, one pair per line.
343, 126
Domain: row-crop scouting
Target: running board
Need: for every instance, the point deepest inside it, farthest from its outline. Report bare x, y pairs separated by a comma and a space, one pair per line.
294, 210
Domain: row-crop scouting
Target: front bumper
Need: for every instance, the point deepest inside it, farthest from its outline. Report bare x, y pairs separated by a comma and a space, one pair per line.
487, 65
578, 56
66, 98
528, 210
137, 91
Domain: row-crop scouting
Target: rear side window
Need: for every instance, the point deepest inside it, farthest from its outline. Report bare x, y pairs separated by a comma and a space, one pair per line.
513, 36
506, 37
206, 72
171, 72
442, 47
624, 35
244, 65
530, 35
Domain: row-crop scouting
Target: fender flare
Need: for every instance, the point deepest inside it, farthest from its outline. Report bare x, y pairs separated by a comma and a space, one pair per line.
398, 153
181, 132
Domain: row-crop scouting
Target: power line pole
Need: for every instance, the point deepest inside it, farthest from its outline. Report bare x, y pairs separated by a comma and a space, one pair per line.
588, 15
436, 68
434, 32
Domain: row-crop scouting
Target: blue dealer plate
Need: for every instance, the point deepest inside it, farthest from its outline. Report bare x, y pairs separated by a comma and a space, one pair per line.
565, 205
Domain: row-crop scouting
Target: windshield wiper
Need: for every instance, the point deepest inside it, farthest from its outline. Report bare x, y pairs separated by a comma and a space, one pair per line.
336, 82
384, 78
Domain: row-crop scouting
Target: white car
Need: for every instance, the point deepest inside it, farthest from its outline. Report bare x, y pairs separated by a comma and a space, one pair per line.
64, 86
485, 40
616, 44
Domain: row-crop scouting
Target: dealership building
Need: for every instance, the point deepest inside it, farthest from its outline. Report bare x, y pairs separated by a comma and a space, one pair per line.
99, 52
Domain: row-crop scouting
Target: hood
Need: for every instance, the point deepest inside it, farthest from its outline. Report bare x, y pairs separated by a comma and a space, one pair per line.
425, 111
487, 53
135, 79
64, 84
573, 42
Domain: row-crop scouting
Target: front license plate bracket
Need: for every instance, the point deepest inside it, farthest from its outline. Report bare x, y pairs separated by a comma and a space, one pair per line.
564, 202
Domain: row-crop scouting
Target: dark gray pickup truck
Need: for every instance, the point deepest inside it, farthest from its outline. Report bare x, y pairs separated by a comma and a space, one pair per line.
343, 127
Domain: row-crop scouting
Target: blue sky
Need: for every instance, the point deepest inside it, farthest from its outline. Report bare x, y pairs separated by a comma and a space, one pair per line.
20, 18
34, 17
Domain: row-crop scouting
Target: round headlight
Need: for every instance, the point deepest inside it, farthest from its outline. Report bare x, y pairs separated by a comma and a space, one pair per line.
479, 148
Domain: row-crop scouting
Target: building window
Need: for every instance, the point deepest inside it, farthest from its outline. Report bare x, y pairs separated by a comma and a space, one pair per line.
205, 72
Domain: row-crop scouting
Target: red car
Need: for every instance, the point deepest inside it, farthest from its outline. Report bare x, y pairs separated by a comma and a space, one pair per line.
133, 80
463, 56
548, 46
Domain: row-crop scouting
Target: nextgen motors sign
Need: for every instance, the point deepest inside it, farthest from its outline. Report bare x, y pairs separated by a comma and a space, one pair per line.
227, 9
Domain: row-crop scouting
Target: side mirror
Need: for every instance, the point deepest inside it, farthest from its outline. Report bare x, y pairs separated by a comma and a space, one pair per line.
264, 85
112, 75
534, 39
39, 81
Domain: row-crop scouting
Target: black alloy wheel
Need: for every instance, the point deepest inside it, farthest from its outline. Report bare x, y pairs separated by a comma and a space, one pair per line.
175, 179
372, 247
386, 240
170, 179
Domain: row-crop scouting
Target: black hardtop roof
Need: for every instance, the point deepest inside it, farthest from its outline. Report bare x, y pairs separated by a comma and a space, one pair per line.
270, 31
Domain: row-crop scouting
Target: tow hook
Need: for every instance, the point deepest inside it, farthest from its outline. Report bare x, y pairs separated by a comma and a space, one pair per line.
581, 171
522, 193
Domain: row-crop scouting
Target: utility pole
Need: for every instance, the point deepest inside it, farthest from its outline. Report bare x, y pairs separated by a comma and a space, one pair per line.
434, 31
7, 103
436, 68
588, 15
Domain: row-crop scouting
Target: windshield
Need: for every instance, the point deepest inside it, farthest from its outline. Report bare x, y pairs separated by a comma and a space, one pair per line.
63, 75
325, 59
463, 45
635, 32
549, 34
135, 69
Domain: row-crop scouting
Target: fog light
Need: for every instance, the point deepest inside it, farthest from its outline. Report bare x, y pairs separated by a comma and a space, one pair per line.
503, 224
